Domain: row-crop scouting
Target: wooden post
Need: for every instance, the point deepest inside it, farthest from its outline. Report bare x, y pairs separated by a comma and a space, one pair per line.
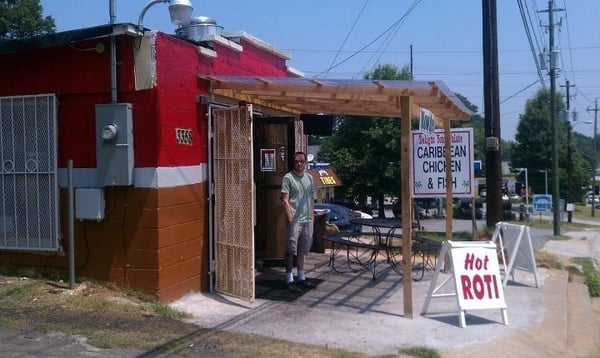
407, 212
449, 207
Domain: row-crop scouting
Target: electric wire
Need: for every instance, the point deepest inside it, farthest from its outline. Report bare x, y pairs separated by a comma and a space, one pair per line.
360, 50
572, 64
391, 35
519, 91
526, 25
347, 37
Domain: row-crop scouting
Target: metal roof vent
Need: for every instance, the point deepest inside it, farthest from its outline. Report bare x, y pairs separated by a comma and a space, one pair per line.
198, 28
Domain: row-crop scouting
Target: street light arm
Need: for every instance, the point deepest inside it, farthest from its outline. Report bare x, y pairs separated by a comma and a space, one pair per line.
180, 12
143, 13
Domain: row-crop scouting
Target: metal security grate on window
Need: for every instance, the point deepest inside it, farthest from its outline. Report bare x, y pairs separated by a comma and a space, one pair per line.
28, 173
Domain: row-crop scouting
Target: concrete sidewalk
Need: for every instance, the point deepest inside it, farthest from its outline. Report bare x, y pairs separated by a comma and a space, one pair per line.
353, 312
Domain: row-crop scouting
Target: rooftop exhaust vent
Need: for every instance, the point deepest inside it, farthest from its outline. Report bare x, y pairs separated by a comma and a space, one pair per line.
198, 28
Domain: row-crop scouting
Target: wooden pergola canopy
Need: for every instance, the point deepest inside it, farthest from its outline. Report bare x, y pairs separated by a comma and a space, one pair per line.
341, 97
395, 99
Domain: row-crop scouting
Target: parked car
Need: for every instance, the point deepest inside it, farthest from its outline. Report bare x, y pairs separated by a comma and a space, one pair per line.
595, 198
361, 214
339, 215
419, 210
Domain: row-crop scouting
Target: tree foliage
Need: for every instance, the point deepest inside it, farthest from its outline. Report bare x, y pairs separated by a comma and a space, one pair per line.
533, 148
365, 150
23, 19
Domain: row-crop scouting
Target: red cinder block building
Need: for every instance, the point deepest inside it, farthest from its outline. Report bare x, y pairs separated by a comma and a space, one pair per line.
141, 213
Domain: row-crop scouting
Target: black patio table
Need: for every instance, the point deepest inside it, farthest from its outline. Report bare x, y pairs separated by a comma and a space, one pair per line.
362, 248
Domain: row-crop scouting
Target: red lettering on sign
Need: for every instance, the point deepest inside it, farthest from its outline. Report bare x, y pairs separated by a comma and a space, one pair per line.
479, 263
479, 287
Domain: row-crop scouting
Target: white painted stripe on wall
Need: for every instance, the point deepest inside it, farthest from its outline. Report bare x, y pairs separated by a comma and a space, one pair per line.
166, 177
161, 177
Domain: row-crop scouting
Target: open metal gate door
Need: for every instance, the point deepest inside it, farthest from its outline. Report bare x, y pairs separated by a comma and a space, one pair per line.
233, 202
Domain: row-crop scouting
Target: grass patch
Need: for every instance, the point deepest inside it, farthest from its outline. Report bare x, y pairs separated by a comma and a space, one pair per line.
113, 317
441, 236
590, 274
420, 352
545, 259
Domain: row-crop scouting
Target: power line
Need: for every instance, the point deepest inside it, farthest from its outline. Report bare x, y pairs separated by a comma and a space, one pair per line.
531, 44
519, 91
390, 28
391, 36
347, 37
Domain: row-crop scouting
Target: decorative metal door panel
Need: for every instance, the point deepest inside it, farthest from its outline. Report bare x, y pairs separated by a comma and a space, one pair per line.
233, 202
28, 173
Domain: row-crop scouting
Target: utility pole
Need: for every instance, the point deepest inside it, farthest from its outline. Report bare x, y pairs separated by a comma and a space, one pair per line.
493, 165
553, 65
569, 155
594, 156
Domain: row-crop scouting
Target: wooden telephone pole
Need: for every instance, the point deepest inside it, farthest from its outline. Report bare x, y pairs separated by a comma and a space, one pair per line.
493, 161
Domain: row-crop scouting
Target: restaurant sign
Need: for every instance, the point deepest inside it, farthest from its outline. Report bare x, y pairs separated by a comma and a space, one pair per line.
429, 163
476, 278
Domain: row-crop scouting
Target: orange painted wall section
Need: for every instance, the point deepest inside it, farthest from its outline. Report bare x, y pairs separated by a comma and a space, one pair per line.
153, 240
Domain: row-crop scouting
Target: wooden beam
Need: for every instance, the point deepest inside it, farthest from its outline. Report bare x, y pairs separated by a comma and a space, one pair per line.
449, 201
407, 212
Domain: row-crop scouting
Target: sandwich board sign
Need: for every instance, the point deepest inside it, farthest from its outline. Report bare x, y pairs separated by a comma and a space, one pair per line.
429, 163
515, 242
475, 276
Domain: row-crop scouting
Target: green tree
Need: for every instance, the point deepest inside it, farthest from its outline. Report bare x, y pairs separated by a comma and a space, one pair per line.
533, 148
365, 151
22, 19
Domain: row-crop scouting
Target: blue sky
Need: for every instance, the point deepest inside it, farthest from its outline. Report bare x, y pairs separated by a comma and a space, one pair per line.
445, 37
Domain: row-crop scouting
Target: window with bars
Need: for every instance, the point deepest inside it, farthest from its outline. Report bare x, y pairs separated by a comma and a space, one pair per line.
28, 173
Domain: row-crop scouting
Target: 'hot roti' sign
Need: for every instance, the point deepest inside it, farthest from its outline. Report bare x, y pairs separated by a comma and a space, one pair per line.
477, 277
429, 163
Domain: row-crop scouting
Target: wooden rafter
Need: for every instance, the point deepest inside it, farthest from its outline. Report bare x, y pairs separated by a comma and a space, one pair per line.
351, 97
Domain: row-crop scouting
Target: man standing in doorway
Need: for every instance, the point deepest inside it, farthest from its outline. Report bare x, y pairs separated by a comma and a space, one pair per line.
298, 195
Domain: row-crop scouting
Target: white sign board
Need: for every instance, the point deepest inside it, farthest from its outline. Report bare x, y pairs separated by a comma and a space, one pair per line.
542, 202
429, 163
427, 121
477, 276
515, 242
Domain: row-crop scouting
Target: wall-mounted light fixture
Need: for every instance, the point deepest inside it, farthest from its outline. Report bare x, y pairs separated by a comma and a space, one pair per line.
179, 10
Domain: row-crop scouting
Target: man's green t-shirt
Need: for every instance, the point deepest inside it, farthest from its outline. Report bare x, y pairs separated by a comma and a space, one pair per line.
301, 193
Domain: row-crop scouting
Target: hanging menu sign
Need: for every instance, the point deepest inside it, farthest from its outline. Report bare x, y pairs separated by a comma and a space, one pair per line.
429, 163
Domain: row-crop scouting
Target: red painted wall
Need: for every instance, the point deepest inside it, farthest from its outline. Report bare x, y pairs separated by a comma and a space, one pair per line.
179, 65
152, 239
81, 78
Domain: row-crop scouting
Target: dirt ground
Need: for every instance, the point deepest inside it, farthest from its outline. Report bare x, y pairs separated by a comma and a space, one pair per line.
44, 317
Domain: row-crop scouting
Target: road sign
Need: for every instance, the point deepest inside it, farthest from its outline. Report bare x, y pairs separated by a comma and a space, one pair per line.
542, 202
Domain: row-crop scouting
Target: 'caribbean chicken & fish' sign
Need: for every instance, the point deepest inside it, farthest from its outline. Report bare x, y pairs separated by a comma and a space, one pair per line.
429, 163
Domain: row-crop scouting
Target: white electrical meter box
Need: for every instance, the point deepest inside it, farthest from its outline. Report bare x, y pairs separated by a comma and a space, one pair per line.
114, 144
89, 204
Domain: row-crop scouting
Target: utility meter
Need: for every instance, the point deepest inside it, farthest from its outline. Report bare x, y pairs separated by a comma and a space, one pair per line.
110, 131
114, 144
